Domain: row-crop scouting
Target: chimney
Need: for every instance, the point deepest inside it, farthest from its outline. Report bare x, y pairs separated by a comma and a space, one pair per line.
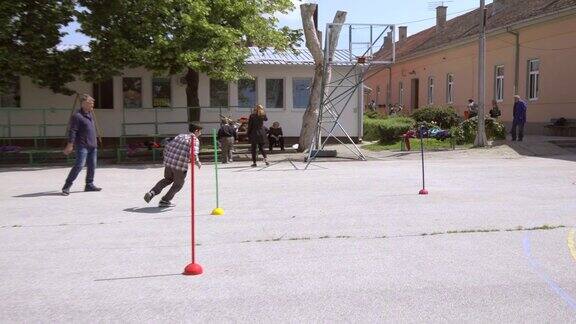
499, 5
402, 33
440, 18
388, 41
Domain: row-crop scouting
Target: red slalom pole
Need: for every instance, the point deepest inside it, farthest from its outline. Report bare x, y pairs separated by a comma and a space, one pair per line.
423, 191
193, 268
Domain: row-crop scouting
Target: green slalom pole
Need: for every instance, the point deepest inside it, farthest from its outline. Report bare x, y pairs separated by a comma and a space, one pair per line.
217, 211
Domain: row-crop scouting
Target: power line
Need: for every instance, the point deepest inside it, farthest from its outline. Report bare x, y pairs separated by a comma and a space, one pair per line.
432, 18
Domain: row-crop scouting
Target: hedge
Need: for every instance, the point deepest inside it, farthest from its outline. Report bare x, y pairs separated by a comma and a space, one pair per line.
387, 130
444, 117
466, 132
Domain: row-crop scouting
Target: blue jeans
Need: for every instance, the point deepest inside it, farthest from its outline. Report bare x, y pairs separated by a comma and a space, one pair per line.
86, 156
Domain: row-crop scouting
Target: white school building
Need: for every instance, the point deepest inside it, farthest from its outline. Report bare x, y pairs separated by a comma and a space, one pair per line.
138, 102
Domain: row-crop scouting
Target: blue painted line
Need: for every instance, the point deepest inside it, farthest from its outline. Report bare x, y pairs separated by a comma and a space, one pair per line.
542, 274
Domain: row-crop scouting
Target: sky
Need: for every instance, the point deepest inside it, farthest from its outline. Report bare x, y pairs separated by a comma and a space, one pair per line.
400, 12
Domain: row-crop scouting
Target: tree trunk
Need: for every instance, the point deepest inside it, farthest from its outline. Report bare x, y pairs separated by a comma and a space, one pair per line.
314, 45
192, 98
311, 115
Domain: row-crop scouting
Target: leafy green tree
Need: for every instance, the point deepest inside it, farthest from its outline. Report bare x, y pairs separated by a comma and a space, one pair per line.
174, 36
29, 34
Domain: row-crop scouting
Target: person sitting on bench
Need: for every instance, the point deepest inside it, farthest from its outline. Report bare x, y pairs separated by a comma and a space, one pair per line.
275, 136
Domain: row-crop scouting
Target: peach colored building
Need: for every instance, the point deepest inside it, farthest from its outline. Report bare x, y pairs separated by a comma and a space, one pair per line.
531, 51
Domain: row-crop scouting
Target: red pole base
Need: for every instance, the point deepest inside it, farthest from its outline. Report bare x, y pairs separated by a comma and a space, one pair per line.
193, 269
423, 192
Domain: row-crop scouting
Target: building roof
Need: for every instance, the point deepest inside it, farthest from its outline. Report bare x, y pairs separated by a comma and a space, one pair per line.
500, 14
268, 56
271, 57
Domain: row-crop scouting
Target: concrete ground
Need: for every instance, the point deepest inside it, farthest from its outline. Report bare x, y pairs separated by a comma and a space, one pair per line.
344, 241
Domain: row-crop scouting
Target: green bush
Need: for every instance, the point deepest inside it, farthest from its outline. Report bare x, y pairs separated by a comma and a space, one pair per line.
371, 129
494, 130
457, 133
387, 130
444, 117
390, 129
372, 114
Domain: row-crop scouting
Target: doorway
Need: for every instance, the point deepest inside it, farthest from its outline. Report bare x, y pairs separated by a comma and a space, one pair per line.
415, 91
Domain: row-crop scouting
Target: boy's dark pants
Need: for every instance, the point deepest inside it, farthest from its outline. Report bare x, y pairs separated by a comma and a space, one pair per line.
171, 176
227, 147
273, 142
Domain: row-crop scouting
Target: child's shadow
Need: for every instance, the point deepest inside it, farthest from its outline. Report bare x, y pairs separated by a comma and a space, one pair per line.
147, 210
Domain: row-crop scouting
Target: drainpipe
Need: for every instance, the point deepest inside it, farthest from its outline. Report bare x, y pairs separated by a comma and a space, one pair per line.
517, 60
389, 88
361, 110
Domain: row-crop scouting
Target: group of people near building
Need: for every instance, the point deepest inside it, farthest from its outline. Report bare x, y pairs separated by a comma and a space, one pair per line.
256, 133
82, 137
518, 115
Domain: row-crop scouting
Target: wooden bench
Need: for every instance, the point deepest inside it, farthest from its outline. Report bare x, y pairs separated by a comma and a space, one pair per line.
39, 152
37, 141
33, 154
39, 146
123, 149
566, 129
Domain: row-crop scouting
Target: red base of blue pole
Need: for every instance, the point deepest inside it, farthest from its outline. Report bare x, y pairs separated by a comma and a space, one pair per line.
193, 269
423, 192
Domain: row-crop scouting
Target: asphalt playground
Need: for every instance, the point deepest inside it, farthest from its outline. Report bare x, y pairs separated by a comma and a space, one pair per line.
344, 241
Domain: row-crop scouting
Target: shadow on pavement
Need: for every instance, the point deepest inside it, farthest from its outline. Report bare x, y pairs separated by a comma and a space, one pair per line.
44, 194
140, 277
147, 210
543, 147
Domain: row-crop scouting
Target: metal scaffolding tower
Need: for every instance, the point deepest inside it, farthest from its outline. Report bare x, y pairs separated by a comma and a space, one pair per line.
371, 48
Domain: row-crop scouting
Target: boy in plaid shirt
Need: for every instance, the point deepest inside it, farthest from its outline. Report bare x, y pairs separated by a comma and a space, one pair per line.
176, 159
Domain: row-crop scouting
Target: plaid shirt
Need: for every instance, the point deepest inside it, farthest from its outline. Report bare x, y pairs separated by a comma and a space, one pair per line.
177, 152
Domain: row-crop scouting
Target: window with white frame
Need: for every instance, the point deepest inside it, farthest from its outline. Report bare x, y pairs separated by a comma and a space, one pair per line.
401, 93
161, 92
301, 88
499, 83
274, 93
533, 79
218, 93
430, 90
450, 88
103, 93
247, 93
10, 98
132, 92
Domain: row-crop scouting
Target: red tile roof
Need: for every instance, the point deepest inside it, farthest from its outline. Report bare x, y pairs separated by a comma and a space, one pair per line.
464, 26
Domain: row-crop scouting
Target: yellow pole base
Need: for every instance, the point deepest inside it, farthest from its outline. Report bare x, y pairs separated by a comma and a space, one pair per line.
218, 211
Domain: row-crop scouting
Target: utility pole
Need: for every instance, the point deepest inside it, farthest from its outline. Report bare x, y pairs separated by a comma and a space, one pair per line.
481, 140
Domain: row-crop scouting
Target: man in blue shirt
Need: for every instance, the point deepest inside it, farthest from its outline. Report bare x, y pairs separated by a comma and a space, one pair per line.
519, 120
82, 136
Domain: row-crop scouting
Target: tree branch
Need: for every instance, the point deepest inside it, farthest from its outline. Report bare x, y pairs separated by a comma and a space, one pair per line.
312, 42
